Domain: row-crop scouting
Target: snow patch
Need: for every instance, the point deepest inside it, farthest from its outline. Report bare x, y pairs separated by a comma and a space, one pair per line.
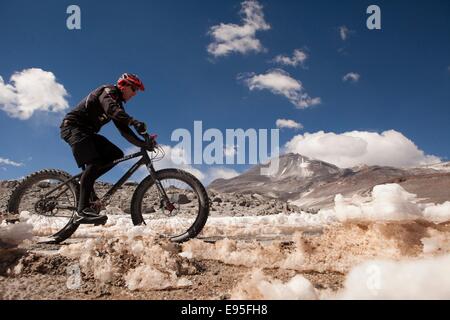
389, 202
132, 259
438, 213
411, 279
15, 234
257, 286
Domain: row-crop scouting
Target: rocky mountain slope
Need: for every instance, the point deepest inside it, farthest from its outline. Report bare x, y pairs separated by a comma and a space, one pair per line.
313, 184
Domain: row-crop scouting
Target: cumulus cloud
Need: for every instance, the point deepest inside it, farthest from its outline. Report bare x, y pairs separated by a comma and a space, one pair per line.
351, 76
8, 162
32, 90
344, 32
290, 124
390, 148
219, 173
231, 37
281, 83
299, 57
229, 150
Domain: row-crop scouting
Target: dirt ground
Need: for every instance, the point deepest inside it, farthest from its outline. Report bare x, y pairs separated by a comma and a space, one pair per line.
44, 275
118, 262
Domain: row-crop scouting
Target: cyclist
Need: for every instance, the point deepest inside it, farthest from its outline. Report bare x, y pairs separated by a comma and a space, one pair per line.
92, 151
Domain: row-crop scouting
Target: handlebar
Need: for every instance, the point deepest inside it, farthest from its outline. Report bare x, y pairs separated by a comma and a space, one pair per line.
150, 139
157, 153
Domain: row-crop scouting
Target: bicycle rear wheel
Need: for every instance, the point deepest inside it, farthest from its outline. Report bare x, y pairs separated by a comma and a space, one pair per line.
50, 211
186, 213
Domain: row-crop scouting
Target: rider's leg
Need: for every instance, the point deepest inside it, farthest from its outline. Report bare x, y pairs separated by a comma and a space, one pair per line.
85, 213
108, 153
87, 181
102, 152
85, 152
94, 152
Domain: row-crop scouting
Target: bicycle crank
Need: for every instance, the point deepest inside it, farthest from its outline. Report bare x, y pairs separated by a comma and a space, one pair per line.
46, 206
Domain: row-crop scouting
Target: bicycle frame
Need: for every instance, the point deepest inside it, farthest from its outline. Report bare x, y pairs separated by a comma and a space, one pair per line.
145, 160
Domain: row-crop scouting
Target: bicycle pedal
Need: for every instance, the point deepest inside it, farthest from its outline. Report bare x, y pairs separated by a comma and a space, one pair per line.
83, 220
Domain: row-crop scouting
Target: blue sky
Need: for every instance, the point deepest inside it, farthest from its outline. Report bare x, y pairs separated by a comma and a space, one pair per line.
404, 70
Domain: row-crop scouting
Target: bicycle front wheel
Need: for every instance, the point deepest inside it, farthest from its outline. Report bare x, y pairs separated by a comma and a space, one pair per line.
186, 213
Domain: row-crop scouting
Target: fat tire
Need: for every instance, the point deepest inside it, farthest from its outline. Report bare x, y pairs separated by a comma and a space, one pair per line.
18, 192
198, 188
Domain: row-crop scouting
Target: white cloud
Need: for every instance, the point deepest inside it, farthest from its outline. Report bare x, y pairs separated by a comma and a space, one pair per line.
286, 123
390, 148
10, 162
32, 90
219, 173
344, 32
298, 58
281, 83
229, 150
351, 76
230, 37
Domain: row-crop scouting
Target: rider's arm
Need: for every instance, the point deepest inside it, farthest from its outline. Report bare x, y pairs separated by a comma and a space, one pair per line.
128, 134
109, 100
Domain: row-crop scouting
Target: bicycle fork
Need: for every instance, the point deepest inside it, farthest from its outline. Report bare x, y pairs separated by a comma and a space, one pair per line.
165, 202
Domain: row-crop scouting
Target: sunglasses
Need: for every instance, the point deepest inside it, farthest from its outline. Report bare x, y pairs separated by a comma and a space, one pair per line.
134, 89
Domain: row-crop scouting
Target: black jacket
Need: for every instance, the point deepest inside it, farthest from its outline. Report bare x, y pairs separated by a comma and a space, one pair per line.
100, 107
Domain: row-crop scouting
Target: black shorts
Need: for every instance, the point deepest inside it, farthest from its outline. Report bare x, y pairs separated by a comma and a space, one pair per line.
90, 147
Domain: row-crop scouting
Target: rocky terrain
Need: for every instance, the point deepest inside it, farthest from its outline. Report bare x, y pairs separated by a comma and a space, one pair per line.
221, 203
121, 198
